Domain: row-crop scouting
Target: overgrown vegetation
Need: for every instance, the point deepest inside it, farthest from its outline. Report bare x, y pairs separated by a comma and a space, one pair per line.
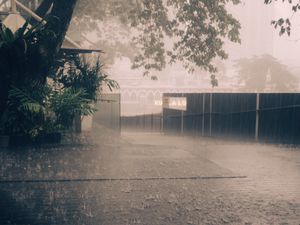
35, 100
163, 32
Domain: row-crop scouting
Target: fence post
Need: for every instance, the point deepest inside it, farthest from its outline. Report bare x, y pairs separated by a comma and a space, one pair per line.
120, 118
162, 122
210, 114
181, 129
136, 122
152, 122
257, 117
203, 113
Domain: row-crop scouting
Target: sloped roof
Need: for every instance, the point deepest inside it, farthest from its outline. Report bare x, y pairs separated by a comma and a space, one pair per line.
15, 20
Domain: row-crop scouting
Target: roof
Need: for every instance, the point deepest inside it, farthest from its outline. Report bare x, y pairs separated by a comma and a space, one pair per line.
79, 50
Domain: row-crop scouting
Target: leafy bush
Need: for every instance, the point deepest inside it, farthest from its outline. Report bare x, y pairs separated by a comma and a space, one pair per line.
23, 63
68, 103
76, 72
34, 100
44, 111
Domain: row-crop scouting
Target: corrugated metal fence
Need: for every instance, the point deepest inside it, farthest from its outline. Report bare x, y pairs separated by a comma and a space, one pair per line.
148, 123
270, 117
108, 111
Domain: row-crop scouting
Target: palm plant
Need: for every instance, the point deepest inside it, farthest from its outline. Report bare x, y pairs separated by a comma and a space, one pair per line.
22, 59
68, 103
44, 111
76, 72
28, 103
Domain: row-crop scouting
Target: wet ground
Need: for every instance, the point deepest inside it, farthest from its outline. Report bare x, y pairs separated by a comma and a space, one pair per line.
150, 178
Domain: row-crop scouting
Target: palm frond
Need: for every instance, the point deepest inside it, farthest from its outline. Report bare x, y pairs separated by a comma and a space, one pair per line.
25, 101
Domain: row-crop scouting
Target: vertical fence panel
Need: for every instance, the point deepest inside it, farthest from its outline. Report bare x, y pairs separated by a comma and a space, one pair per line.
279, 116
108, 111
257, 117
266, 117
219, 115
147, 123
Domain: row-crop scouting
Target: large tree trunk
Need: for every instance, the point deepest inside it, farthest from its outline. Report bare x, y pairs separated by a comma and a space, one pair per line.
61, 9
64, 11
59, 14
44, 8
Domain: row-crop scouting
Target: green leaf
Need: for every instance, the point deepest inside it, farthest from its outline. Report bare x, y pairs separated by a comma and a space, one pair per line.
21, 31
8, 35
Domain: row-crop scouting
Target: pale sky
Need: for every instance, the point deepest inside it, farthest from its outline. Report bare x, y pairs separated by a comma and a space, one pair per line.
285, 48
257, 34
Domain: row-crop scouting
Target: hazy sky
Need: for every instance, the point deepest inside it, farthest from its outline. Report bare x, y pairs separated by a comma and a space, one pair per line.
258, 38
255, 18
257, 34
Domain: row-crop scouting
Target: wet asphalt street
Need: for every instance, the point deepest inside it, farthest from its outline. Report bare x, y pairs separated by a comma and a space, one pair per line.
150, 178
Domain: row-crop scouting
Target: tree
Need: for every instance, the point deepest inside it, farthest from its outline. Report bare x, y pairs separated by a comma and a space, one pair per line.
31, 103
196, 29
261, 72
30, 53
192, 32
31, 106
167, 31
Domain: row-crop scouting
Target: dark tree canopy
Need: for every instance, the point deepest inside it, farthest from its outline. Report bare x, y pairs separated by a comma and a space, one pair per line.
192, 32
63, 10
27, 55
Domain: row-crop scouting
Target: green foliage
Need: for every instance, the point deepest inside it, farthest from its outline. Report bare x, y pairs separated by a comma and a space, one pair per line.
23, 59
73, 71
284, 24
40, 111
194, 30
23, 55
68, 103
23, 63
29, 103
25, 112
214, 81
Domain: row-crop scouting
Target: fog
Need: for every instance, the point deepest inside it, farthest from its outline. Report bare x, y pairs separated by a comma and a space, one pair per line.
261, 43
170, 151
